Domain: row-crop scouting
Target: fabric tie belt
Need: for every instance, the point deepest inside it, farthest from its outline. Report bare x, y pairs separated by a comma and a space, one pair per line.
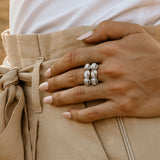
12, 104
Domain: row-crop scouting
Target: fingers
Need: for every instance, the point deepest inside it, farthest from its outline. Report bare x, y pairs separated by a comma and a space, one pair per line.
76, 95
90, 114
110, 30
69, 79
74, 59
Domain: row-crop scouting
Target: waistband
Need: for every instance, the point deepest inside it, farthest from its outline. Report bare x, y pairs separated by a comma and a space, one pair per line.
23, 50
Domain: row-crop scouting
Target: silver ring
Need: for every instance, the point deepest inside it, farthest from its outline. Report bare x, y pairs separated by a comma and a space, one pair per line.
87, 82
90, 72
94, 81
87, 66
94, 66
87, 74
94, 73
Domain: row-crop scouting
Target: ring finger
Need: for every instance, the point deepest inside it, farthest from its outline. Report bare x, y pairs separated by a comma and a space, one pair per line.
69, 79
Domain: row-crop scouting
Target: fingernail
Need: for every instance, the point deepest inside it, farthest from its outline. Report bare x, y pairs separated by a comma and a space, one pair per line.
67, 115
44, 86
48, 100
48, 73
84, 36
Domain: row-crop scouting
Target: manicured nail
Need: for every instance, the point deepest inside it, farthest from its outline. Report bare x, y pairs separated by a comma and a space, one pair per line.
44, 86
84, 36
48, 73
67, 115
48, 100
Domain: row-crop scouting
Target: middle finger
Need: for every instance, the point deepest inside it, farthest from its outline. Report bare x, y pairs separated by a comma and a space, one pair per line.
69, 79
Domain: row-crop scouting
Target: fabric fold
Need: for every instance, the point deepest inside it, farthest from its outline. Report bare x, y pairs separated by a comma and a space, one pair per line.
31, 130
12, 104
14, 128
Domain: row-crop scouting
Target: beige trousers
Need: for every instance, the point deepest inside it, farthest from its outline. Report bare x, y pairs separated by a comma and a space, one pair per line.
32, 130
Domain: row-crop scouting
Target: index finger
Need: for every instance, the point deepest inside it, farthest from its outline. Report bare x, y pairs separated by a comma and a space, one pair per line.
73, 59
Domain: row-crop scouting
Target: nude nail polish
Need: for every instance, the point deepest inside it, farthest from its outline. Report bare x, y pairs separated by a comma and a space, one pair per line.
84, 36
44, 86
48, 73
48, 100
67, 115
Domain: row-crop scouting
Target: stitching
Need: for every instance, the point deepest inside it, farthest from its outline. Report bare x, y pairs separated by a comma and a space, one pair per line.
125, 138
39, 46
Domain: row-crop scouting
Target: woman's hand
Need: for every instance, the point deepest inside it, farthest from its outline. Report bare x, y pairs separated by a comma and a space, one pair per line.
128, 74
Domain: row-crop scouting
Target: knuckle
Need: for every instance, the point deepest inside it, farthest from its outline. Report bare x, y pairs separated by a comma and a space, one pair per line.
127, 106
72, 77
93, 115
112, 72
113, 68
120, 88
79, 93
77, 116
109, 49
112, 49
109, 72
101, 26
52, 82
104, 24
70, 57
54, 68
57, 100
100, 29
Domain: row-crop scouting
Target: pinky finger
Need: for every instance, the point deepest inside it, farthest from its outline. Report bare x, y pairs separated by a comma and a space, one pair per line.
90, 114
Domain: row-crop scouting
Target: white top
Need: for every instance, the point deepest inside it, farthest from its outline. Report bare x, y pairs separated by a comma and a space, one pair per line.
44, 16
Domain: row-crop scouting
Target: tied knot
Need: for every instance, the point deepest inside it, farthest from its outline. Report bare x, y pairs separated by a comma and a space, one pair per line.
9, 77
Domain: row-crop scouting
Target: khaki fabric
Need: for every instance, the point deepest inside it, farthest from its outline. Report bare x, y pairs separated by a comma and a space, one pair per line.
32, 130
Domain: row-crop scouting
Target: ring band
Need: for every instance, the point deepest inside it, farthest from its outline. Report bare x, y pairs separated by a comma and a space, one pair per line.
94, 66
94, 81
87, 74
87, 82
94, 73
90, 72
87, 66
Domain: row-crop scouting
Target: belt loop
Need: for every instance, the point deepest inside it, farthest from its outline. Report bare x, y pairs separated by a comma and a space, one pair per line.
35, 85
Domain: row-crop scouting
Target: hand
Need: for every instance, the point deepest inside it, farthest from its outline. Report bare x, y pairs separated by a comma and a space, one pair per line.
128, 74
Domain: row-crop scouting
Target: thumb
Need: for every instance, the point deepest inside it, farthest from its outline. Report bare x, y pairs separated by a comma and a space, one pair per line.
110, 30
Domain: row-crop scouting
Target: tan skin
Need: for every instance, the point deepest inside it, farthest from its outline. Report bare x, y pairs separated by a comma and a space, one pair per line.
129, 74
